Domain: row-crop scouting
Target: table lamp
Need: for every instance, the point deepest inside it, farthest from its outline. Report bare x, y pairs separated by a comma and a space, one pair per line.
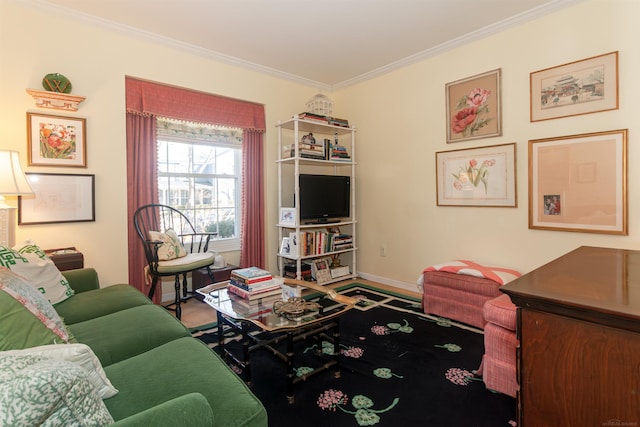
12, 183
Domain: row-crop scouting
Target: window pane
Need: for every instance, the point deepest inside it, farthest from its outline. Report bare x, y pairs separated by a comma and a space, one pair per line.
201, 179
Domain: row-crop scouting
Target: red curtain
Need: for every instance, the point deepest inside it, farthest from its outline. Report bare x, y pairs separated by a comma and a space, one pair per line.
142, 189
145, 101
252, 229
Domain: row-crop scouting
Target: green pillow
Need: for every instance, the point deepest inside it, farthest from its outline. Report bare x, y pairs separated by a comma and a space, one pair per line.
27, 319
36, 390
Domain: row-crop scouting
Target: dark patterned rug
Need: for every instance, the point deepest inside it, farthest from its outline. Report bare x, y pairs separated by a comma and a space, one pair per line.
398, 367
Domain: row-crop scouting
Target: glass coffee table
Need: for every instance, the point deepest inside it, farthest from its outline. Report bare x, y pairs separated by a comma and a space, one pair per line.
322, 322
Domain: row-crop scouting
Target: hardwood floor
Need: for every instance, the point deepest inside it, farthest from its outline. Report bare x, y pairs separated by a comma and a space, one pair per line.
196, 313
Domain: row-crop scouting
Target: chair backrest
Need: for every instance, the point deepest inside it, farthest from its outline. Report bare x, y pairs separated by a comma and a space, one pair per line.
157, 217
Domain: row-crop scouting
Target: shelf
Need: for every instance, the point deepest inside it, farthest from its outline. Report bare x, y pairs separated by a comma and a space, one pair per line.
329, 224
326, 254
55, 100
304, 160
314, 126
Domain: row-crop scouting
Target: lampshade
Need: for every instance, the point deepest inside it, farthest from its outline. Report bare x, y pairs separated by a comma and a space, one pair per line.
12, 179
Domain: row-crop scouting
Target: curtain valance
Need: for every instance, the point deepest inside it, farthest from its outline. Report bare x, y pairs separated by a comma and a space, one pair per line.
156, 99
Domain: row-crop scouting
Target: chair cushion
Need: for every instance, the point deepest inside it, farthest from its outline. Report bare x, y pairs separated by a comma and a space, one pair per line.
36, 390
171, 247
29, 261
27, 319
501, 311
187, 263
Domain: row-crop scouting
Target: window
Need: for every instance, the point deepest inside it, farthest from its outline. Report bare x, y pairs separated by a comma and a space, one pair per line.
200, 174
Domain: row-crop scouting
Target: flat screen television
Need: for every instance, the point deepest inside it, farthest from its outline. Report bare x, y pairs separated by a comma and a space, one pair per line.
324, 198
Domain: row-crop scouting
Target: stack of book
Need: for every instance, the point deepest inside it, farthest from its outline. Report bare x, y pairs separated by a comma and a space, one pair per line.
253, 290
339, 152
319, 242
314, 117
310, 149
334, 121
305, 271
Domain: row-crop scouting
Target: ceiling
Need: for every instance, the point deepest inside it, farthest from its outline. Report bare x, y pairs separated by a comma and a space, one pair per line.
326, 43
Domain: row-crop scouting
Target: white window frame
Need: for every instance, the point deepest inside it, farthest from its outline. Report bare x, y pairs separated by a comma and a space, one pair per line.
216, 244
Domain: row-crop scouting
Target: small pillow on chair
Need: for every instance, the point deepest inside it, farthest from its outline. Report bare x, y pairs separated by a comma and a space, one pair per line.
171, 248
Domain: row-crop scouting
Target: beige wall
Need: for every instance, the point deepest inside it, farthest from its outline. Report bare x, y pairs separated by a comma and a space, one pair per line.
399, 117
401, 121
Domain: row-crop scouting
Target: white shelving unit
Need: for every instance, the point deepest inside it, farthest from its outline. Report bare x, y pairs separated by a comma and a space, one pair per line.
290, 133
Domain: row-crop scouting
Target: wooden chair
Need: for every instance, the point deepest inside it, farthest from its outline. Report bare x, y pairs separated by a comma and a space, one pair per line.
172, 248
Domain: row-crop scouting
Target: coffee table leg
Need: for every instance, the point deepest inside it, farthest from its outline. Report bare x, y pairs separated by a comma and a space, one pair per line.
290, 396
245, 352
336, 348
221, 334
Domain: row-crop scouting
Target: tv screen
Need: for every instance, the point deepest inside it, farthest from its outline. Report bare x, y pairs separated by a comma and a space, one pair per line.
324, 197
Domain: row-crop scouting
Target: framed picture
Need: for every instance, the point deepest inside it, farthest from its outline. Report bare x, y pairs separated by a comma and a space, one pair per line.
58, 198
473, 107
579, 183
477, 176
320, 270
581, 87
287, 216
56, 140
285, 247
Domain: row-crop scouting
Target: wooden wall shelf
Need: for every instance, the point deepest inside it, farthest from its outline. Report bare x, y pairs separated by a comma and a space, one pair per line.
55, 100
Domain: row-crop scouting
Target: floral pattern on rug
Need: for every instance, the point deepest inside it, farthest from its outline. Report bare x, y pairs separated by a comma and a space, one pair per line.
391, 328
364, 413
460, 376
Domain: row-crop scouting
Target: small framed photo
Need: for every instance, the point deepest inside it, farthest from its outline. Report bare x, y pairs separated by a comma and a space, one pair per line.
579, 183
320, 270
287, 216
473, 107
56, 140
581, 87
484, 176
58, 198
285, 247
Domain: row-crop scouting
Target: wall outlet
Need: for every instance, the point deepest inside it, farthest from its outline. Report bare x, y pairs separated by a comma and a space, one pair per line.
383, 250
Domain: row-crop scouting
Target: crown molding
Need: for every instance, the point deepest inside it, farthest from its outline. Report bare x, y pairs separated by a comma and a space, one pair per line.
484, 32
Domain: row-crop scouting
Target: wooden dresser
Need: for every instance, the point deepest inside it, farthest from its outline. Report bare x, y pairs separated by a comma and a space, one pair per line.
579, 332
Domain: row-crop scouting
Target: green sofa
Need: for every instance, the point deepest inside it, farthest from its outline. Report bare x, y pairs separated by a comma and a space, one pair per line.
164, 377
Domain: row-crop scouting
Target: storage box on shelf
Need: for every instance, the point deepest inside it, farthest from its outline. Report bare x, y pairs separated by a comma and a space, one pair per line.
312, 145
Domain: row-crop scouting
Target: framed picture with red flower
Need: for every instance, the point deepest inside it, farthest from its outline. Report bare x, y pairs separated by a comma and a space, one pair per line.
483, 176
473, 107
56, 140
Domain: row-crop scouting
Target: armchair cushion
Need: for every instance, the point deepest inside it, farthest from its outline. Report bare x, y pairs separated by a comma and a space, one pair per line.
29, 261
171, 247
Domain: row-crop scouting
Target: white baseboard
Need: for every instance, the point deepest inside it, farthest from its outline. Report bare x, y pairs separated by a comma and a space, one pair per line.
413, 287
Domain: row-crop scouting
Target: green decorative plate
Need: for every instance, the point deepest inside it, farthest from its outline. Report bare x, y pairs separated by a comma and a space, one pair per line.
56, 82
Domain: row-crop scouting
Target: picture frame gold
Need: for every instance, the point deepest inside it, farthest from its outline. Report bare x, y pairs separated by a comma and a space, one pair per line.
58, 198
483, 176
474, 107
581, 87
579, 183
56, 140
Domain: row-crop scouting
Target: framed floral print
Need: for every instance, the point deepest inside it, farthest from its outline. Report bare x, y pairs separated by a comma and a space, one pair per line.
56, 140
473, 107
483, 176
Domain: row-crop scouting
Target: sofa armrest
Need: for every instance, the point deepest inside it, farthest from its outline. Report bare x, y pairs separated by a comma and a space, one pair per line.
82, 279
191, 410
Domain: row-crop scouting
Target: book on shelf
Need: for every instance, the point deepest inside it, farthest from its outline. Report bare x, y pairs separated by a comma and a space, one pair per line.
242, 305
253, 295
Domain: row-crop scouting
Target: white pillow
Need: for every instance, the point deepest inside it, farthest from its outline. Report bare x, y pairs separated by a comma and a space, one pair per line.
79, 354
172, 246
30, 262
35, 390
